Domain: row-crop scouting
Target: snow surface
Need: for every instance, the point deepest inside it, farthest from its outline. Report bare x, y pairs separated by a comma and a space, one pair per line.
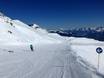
21, 33
54, 56
47, 61
86, 49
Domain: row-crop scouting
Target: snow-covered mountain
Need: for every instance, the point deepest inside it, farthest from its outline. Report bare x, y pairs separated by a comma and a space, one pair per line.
15, 31
53, 56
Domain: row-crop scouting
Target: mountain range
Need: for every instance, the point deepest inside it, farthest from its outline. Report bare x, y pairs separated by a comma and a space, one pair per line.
96, 33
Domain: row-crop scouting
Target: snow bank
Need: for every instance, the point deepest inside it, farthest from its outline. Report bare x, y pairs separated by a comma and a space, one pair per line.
86, 48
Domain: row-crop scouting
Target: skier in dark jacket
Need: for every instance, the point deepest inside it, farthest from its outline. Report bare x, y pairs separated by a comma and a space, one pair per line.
31, 47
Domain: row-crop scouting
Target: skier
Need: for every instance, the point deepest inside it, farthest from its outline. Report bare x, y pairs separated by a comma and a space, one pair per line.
31, 47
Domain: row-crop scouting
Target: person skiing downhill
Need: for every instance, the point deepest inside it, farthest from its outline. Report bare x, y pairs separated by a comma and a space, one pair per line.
31, 47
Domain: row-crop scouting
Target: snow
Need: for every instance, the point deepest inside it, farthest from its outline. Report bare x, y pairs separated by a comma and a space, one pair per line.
35, 26
54, 56
86, 49
44, 62
22, 33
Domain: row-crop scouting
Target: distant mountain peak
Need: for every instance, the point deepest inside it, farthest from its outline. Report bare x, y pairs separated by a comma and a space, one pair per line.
34, 26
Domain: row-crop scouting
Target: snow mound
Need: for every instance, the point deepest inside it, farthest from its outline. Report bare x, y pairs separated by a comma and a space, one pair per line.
86, 49
35, 26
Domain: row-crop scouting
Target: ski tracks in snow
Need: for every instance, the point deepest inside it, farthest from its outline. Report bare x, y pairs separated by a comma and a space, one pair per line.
47, 61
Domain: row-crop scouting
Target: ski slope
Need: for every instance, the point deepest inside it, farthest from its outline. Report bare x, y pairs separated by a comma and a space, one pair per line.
45, 62
54, 56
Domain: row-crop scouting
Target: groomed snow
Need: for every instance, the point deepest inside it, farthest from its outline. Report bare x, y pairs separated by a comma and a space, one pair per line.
47, 61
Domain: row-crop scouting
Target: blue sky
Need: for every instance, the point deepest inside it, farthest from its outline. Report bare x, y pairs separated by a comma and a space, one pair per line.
55, 13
